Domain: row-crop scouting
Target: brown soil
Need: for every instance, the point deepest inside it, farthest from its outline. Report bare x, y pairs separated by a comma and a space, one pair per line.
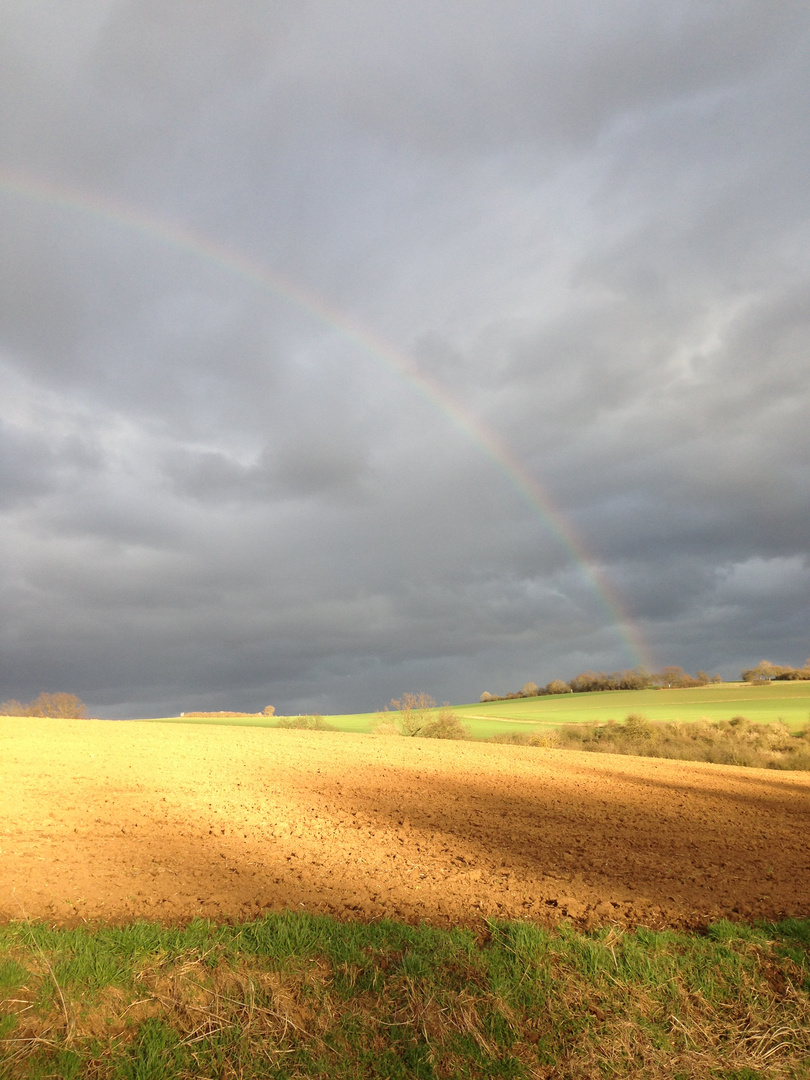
118, 821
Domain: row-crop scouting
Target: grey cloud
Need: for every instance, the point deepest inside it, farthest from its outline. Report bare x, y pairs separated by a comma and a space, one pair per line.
38, 301
302, 470
25, 465
471, 76
587, 227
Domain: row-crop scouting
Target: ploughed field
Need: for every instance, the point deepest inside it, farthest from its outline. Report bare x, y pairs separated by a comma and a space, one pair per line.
119, 821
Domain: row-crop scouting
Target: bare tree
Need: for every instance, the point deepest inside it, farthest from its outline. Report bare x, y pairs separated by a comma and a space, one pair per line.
61, 706
765, 671
415, 712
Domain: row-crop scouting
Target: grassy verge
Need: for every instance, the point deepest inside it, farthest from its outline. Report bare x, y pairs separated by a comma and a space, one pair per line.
296, 996
727, 742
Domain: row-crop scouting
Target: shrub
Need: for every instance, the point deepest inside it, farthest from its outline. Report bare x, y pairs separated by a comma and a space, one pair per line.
223, 713
314, 722
545, 739
415, 713
638, 727
446, 725
229, 713
418, 719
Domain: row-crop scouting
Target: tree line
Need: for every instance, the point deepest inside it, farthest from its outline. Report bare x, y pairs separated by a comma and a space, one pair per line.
670, 677
628, 679
765, 671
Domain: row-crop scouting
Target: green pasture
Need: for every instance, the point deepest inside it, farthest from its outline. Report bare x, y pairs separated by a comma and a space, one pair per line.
787, 701
361, 723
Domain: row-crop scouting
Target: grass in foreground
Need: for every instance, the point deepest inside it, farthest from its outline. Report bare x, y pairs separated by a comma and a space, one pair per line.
294, 996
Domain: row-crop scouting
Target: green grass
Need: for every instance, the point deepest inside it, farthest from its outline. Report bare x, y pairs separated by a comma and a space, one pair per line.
292, 996
786, 701
789, 702
360, 723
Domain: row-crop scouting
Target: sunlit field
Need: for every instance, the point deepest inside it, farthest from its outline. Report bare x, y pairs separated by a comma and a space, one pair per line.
181, 901
786, 701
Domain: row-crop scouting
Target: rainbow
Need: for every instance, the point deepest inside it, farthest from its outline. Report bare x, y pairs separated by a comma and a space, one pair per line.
236, 264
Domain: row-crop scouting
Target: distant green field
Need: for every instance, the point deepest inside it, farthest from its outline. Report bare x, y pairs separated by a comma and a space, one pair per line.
363, 723
788, 701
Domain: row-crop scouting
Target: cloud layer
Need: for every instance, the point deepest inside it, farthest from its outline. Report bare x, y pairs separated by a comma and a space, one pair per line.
580, 232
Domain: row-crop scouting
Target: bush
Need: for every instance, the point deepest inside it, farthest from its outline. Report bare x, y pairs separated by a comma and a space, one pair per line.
445, 726
415, 713
225, 714
418, 718
314, 722
548, 740
637, 726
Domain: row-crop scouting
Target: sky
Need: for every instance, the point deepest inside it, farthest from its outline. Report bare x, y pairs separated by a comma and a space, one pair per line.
355, 349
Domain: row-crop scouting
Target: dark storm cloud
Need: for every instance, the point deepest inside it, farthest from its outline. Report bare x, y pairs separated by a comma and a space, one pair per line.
587, 225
